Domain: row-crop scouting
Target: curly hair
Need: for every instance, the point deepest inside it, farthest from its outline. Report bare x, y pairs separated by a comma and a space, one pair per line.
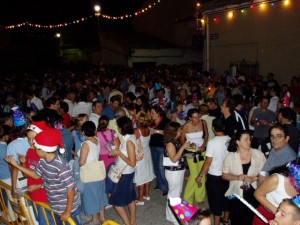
143, 120
170, 132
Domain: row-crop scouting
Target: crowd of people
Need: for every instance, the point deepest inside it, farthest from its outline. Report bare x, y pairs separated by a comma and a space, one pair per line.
226, 135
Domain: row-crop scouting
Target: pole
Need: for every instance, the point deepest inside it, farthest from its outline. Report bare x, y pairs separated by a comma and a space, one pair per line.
207, 43
99, 37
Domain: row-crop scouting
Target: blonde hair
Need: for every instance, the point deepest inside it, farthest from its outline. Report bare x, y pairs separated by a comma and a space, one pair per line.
79, 118
143, 119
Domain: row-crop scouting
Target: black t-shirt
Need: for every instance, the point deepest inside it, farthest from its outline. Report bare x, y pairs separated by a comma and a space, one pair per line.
215, 112
156, 140
232, 126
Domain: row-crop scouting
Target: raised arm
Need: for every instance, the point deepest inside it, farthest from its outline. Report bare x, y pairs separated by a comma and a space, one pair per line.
17, 167
175, 156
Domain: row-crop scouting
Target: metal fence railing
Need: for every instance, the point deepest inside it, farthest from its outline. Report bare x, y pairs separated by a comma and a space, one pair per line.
23, 210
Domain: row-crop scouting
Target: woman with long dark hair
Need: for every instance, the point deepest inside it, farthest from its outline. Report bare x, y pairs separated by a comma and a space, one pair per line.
158, 124
174, 173
195, 131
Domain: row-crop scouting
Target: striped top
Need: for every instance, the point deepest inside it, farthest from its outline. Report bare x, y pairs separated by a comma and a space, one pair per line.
58, 179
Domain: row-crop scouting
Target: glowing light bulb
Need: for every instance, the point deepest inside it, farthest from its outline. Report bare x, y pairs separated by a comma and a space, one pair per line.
230, 14
286, 2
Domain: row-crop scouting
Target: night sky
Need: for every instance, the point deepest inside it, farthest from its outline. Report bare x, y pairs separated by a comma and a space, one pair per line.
59, 11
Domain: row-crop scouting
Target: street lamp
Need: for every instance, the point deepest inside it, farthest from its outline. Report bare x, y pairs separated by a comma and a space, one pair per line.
97, 10
58, 36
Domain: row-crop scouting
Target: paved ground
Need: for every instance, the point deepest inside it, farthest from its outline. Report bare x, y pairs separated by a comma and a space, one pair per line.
152, 213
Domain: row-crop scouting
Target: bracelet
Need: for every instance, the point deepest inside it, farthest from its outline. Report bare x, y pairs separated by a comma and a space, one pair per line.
157, 131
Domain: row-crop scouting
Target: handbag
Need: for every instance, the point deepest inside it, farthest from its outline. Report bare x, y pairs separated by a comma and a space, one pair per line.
114, 173
91, 172
167, 162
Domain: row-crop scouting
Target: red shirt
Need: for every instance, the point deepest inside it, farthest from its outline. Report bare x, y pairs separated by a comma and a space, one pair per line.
67, 120
32, 159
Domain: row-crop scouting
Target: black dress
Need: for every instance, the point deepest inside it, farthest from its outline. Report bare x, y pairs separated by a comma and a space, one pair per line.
240, 214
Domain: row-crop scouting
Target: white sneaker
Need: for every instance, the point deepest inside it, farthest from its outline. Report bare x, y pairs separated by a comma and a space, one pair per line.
146, 198
108, 206
139, 203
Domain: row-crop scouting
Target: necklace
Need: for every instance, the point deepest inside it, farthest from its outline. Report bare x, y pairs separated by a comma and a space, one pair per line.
112, 135
156, 125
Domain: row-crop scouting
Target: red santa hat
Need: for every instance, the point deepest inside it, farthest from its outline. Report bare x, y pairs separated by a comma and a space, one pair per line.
37, 127
48, 140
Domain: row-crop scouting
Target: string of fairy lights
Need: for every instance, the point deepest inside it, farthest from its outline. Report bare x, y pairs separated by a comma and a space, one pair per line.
83, 19
230, 12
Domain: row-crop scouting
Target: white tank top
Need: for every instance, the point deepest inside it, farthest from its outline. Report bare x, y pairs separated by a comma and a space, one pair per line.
196, 137
276, 196
93, 155
120, 163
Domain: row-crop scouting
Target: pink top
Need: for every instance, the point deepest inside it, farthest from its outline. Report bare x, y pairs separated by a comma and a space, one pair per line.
105, 137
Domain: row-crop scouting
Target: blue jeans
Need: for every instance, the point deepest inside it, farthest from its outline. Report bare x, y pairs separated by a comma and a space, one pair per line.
41, 217
159, 170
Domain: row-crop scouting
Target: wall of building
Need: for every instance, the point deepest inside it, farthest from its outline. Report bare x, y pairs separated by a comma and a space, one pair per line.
170, 20
268, 35
164, 56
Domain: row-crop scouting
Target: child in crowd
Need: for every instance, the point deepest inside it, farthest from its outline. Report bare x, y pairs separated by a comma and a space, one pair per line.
56, 174
202, 217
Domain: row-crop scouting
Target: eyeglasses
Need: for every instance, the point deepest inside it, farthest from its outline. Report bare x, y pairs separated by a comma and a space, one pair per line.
277, 137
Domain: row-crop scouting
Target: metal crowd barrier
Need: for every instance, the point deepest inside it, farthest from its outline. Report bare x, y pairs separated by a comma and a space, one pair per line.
15, 211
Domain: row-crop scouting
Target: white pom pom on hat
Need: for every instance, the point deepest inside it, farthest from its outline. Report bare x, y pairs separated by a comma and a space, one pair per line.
48, 140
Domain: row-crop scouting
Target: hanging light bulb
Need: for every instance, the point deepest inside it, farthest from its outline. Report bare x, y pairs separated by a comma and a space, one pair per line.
230, 14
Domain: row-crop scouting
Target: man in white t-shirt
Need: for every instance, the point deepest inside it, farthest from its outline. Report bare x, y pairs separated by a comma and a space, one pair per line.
216, 187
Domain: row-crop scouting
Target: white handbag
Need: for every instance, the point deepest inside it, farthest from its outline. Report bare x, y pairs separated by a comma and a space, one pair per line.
114, 173
167, 162
91, 172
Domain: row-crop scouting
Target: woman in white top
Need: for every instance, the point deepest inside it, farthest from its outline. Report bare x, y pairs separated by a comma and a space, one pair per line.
241, 168
123, 194
175, 168
272, 191
144, 172
196, 133
93, 197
